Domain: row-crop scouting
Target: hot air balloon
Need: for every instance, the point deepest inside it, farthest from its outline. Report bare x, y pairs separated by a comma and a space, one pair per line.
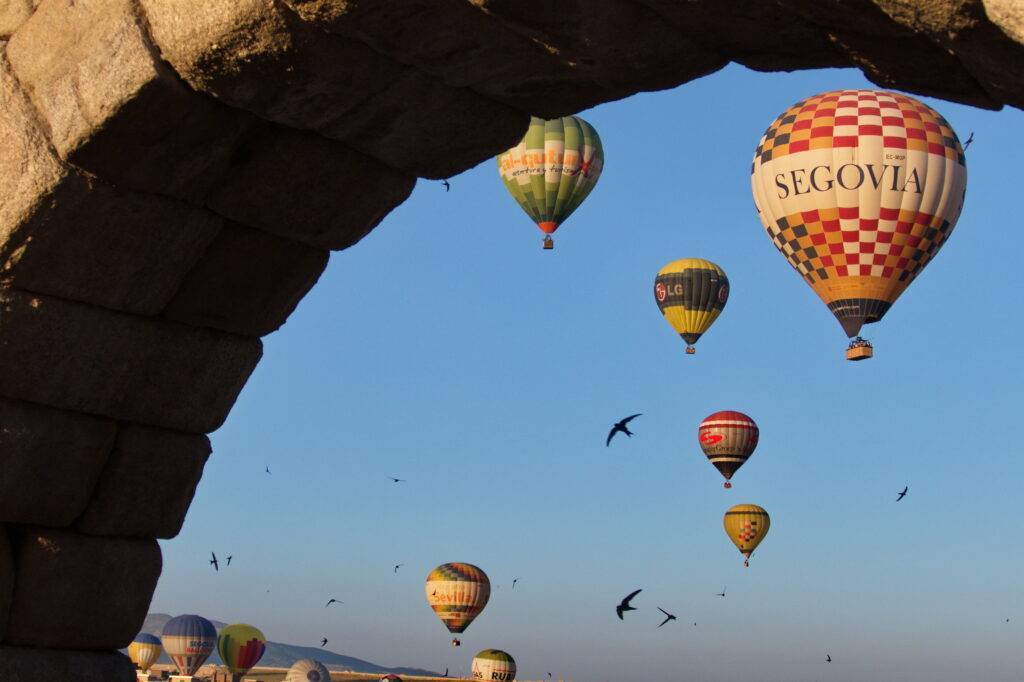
144, 650
189, 640
391, 677
691, 293
728, 439
746, 525
308, 670
494, 664
552, 170
859, 189
457, 593
240, 646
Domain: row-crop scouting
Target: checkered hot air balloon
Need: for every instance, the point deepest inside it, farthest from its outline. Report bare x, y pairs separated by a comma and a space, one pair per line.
859, 189
241, 646
728, 439
144, 651
552, 170
746, 525
457, 593
189, 640
691, 293
494, 665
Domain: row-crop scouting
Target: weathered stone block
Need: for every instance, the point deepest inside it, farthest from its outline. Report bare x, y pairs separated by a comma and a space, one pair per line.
50, 461
66, 234
112, 107
18, 664
147, 484
88, 359
248, 282
301, 186
14, 13
80, 592
6, 585
259, 56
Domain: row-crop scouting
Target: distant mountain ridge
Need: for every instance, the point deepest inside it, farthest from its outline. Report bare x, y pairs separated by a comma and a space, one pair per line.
280, 655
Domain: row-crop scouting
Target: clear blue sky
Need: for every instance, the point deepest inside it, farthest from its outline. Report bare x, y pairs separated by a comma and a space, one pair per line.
447, 349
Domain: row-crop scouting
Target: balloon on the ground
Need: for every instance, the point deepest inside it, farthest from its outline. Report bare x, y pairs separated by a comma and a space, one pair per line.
391, 677
241, 646
494, 664
746, 525
728, 439
859, 189
308, 670
691, 294
552, 170
144, 650
189, 640
457, 593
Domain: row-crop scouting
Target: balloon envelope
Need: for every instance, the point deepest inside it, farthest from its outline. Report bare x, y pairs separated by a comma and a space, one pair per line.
241, 646
144, 650
189, 640
859, 189
308, 670
728, 439
494, 664
691, 293
746, 525
391, 677
457, 593
553, 169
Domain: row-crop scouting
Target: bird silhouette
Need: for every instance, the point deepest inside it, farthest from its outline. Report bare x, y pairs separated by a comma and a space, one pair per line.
668, 616
720, 594
333, 601
828, 659
514, 581
970, 139
1007, 620
323, 642
620, 427
268, 470
903, 494
447, 186
624, 606
398, 566
216, 566
396, 480
229, 559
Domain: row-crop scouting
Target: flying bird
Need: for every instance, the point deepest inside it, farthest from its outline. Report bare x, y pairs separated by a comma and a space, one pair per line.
229, 559
216, 566
970, 139
720, 594
828, 659
268, 470
668, 616
446, 185
903, 494
620, 427
333, 601
624, 606
396, 480
323, 642
514, 581
398, 566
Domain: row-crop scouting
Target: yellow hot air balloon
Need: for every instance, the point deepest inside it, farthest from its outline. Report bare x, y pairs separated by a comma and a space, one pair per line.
691, 294
144, 650
859, 189
457, 593
552, 170
746, 525
240, 647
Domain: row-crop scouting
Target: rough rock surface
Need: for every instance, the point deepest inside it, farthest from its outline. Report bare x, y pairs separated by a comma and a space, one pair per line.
173, 174
22, 664
147, 484
50, 461
80, 592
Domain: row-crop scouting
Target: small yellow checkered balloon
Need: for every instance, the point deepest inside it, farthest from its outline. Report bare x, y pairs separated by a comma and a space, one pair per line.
746, 525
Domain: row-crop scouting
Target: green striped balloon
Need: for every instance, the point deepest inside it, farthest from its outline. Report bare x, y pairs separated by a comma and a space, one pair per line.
553, 169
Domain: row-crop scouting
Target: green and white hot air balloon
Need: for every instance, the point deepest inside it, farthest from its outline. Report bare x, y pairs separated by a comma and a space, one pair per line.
494, 665
552, 170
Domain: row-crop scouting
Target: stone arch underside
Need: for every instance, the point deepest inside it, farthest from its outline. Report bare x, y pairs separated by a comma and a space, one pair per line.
174, 174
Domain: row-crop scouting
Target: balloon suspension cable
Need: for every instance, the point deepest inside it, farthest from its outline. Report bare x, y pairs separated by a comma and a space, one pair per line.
728, 484
549, 243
